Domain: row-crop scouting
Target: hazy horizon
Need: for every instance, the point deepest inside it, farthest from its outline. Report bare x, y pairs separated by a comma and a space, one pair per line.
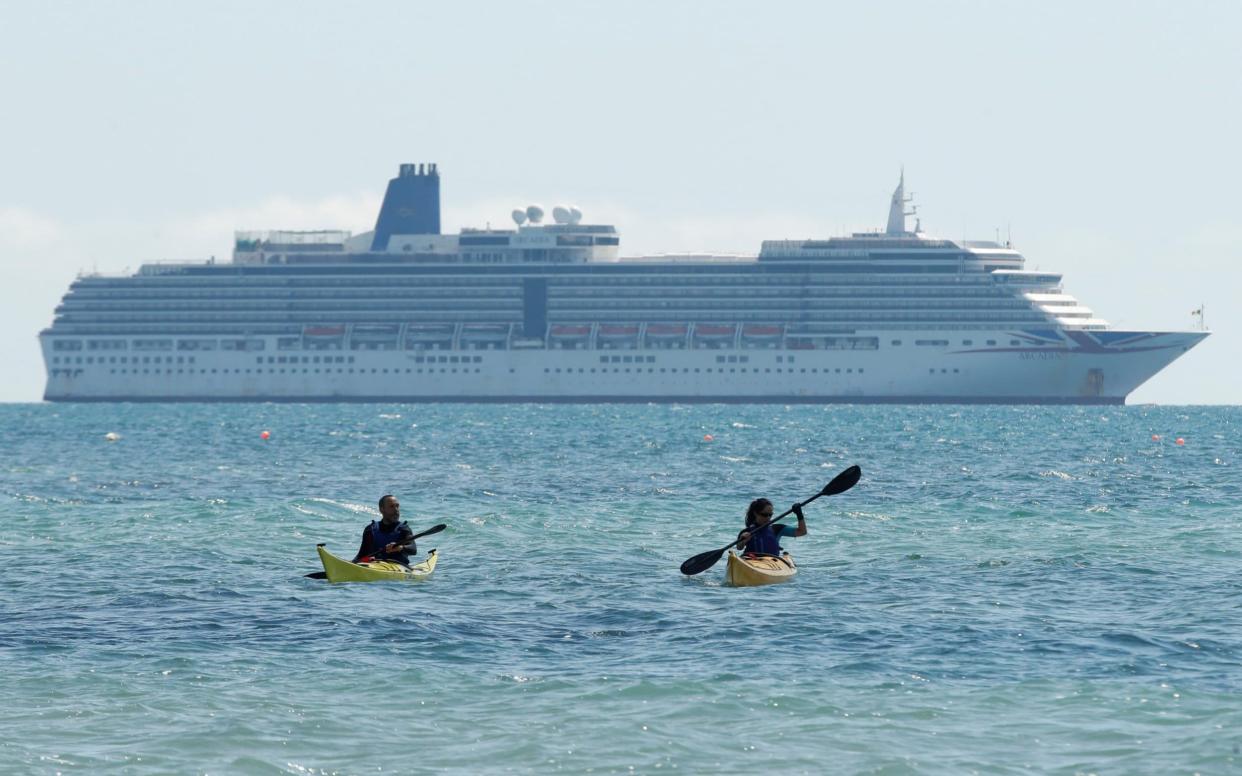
1102, 140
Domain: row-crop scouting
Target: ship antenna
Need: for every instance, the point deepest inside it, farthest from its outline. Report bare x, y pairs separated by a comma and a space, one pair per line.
1202, 319
897, 208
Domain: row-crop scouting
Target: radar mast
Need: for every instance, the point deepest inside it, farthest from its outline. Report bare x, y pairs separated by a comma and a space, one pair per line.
897, 209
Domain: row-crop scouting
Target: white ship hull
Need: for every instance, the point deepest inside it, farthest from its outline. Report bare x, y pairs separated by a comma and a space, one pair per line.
1079, 369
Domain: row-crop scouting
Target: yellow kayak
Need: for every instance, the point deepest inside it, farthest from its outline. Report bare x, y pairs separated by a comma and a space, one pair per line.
341, 570
764, 570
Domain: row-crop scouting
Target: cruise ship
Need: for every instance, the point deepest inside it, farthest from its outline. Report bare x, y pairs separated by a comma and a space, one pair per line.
551, 312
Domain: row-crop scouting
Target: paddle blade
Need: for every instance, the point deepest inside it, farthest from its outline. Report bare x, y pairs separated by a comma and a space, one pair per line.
432, 530
842, 482
317, 575
702, 562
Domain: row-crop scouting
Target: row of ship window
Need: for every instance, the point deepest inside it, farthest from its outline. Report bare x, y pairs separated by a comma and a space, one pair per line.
285, 342
944, 343
693, 287
418, 359
160, 344
394, 295
339, 370
367, 309
652, 359
251, 285
67, 372
1015, 316
708, 369
266, 297
350, 359
123, 359
305, 359
708, 299
603, 310
719, 359
191, 359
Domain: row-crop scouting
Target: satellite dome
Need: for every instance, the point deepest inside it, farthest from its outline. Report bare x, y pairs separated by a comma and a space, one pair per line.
560, 214
575, 215
519, 216
534, 213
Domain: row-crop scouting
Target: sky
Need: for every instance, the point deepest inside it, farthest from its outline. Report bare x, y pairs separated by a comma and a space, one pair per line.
1101, 137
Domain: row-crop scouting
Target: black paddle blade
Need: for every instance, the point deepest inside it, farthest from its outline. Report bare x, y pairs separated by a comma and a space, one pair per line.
317, 575
702, 562
432, 530
842, 482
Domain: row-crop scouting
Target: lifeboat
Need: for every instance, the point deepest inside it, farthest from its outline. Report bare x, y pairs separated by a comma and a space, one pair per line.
571, 331
323, 331
489, 332
618, 332
370, 332
422, 335
429, 330
758, 331
714, 331
666, 330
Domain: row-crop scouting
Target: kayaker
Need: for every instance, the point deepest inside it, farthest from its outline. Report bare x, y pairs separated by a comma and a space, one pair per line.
388, 538
759, 538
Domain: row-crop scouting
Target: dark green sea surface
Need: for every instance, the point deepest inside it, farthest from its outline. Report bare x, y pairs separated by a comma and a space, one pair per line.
1007, 590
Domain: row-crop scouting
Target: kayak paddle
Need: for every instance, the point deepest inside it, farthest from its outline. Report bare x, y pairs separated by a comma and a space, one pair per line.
432, 530
840, 483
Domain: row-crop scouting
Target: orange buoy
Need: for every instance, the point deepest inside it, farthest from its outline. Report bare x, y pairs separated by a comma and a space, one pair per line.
708, 438
264, 434
1180, 441
1155, 437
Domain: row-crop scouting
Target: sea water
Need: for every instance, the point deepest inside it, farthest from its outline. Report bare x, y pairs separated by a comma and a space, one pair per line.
1006, 590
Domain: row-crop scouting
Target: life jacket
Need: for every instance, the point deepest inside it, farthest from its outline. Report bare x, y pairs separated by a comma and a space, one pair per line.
763, 541
381, 538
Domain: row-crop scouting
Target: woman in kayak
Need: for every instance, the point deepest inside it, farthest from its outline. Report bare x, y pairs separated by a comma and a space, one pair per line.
387, 538
760, 538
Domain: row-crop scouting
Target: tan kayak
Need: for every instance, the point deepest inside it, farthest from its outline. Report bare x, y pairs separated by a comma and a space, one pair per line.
762, 570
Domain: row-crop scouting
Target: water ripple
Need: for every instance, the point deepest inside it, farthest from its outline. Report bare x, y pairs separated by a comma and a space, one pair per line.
1007, 590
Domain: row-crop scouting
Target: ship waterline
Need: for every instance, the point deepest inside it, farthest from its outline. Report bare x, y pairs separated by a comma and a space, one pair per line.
551, 313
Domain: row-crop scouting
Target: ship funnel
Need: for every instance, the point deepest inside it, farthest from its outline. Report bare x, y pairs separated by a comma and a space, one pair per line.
411, 205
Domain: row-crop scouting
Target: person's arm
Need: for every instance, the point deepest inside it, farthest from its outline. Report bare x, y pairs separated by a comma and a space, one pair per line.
364, 549
742, 539
801, 529
406, 543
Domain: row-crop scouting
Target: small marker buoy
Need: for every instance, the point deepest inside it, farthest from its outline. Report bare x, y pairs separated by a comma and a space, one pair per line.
264, 434
112, 436
1155, 437
708, 438
1180, 441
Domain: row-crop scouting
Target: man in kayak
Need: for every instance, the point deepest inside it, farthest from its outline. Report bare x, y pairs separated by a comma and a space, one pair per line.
387, 538
759, 538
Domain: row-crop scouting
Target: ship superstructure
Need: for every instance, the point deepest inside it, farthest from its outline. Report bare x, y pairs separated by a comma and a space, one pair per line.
551, 312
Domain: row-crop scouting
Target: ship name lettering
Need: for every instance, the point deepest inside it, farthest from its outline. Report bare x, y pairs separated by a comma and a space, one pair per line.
1044, 355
